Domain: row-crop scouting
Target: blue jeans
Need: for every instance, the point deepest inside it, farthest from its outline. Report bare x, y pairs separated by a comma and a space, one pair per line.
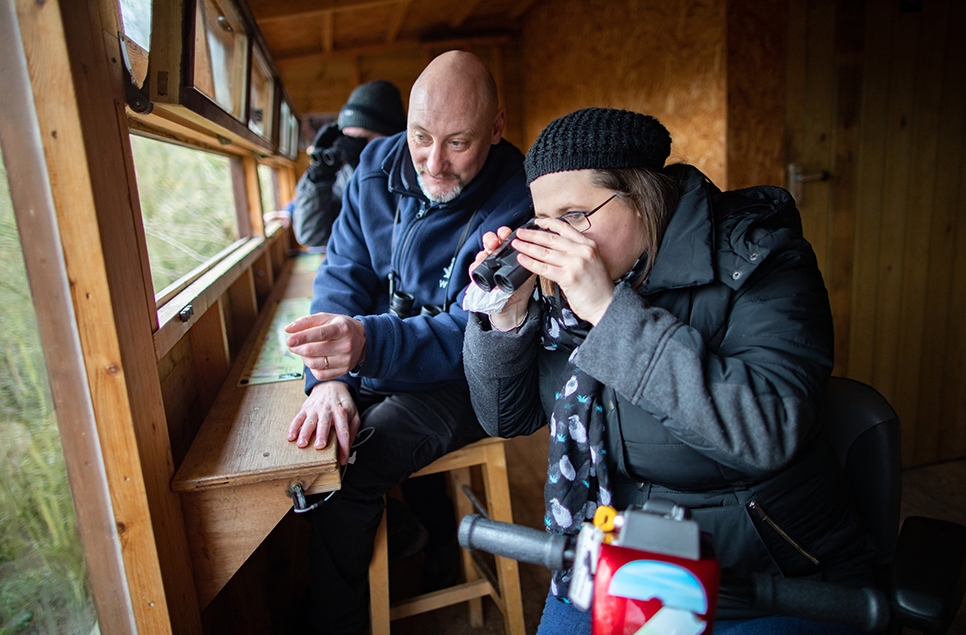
560, 618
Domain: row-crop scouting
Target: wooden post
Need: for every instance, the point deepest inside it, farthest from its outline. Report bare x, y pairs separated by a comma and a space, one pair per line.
254, 219
50, 287
84, 131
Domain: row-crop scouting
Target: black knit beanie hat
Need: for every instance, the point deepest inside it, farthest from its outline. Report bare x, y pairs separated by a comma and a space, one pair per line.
375, 106
598, 138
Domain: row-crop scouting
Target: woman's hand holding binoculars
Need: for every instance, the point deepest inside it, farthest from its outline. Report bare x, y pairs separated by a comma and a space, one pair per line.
556, 251
514, 312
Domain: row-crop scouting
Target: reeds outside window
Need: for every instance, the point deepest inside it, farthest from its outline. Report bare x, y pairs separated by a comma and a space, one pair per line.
188, 206
43, 577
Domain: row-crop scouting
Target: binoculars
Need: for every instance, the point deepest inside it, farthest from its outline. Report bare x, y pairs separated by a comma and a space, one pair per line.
501, 269
401, 305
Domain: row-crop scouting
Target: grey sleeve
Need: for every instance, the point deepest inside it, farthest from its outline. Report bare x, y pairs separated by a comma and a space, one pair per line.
501, 369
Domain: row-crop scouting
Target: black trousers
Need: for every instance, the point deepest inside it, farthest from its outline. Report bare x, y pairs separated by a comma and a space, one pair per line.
400, 434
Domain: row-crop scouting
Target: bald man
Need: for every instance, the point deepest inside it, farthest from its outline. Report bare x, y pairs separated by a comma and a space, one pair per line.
383, 345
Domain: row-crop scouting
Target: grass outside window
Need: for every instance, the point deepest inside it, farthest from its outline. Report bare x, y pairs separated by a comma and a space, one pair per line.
188, 207
43, 579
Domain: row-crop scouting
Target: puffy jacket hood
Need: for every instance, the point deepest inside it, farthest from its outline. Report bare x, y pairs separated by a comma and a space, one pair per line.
720, 235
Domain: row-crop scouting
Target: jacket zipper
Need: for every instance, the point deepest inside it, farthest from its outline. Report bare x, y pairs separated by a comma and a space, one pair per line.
756, 507
408, 236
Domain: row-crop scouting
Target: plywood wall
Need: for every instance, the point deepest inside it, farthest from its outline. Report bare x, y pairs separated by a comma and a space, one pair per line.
665, 59
755, 129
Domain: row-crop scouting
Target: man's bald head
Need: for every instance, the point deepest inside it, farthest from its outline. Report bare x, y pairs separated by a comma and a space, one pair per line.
454, 118
457, 78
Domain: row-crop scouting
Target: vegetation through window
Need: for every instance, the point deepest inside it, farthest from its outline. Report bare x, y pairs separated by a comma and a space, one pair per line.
43, 579
188, 207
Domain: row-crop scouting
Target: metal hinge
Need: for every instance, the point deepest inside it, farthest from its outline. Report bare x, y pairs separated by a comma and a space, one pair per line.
136, 96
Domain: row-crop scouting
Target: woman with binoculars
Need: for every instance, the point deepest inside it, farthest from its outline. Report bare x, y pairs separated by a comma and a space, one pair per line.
678, 340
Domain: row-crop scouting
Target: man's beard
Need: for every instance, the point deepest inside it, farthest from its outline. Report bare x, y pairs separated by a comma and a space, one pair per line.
440, 198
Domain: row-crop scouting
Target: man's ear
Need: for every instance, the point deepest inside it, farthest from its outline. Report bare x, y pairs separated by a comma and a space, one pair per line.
498, 124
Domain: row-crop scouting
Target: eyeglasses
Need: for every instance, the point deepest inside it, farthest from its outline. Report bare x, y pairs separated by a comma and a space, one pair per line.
581, 220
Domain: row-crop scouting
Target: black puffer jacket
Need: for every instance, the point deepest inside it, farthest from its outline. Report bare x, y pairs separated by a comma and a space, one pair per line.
714, 372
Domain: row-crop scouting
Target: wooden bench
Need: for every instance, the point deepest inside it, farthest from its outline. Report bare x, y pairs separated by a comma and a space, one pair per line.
237, 477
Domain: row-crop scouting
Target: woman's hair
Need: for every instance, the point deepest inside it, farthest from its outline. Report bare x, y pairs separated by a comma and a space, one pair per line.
652, 194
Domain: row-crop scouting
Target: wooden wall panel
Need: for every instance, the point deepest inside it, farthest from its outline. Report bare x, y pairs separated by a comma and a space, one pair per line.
318, 83
869, 196
241, 310
666, 59
897, 161
906, 334
944, 385
849, 41
938, 321
179, 390
928, 76
823, 96
321, 83
818, 116
951, 425
755, 149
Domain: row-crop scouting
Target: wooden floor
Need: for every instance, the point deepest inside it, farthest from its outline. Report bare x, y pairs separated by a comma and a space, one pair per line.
938, 491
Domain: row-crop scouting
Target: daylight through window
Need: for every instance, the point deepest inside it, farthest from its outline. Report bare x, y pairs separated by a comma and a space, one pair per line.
188, 207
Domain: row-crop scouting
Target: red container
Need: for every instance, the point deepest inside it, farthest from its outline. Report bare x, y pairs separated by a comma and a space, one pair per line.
645, 593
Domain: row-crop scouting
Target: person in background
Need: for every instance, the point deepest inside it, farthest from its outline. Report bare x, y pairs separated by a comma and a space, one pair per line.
678, 343
374, 110
383, 345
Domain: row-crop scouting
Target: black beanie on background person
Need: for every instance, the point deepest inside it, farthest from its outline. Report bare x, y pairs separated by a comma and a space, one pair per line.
598, 138
375, 106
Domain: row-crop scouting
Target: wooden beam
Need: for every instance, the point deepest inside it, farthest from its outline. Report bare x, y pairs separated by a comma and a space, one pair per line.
462, 13
253, 221
319, 57
398, 17
166, 58
273, 12
84, 135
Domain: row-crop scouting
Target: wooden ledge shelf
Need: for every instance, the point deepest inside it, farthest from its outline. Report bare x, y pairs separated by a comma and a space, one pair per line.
236, 478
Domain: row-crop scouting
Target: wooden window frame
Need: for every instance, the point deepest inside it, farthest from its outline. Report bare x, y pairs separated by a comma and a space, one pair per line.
181, 108
184, 115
